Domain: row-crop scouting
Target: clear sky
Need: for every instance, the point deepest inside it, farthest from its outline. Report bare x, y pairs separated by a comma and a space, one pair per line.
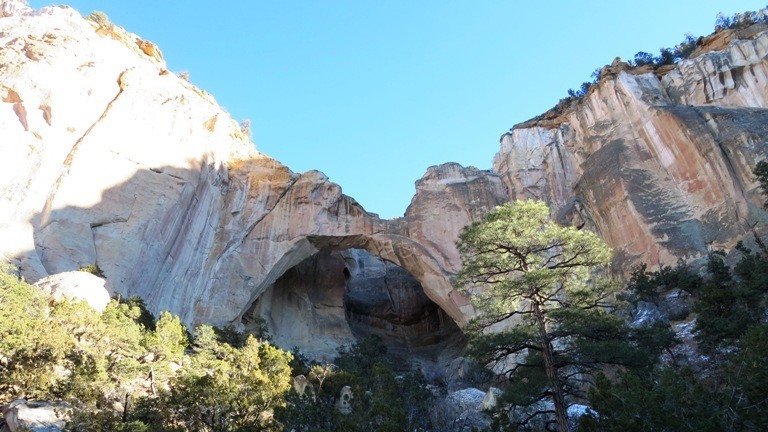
374, 92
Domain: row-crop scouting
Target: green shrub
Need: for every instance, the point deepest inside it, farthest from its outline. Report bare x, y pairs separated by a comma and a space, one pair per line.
98, 17
761, 175
741, 20
93, 269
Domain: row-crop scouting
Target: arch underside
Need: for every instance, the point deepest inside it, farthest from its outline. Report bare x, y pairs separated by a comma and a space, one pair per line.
328, 291
398, 250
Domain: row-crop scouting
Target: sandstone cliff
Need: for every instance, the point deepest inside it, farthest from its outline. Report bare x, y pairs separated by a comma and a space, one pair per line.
109, 159
660, 162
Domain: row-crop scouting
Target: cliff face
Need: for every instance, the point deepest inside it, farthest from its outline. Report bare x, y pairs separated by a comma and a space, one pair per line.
661, 167
109, 159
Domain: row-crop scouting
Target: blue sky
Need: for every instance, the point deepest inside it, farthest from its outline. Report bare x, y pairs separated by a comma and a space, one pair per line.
374, 92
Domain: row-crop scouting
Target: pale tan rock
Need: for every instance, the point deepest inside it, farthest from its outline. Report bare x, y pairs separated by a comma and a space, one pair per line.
465, 407
305, 308
302, 385
76, 285
491, 399
9, 8
344, 402
35, 416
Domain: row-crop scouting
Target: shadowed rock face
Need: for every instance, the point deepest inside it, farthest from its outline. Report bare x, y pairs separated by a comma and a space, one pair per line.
334, 298
660, 167
305, 307
384, 300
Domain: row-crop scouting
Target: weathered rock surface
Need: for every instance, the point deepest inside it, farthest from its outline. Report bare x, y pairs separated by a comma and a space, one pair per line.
21, 415
302, 385
384, 300
461, 411
491, 399
76, 285
344, 401
660, 167
305, 307
109, 159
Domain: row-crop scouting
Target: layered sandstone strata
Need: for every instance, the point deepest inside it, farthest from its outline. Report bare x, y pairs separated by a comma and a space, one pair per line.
660, 162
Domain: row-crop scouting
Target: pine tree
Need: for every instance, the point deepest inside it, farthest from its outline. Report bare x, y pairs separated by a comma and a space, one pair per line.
539, 283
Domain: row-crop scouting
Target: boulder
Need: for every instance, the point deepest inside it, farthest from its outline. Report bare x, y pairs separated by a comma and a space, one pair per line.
35, 416
344, 402
302, 386
467, 400
645, 314
463, 372
575, 412
77, 285
461, 410
491, 399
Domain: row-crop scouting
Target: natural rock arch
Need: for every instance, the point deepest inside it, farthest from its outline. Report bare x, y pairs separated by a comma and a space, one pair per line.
399, 250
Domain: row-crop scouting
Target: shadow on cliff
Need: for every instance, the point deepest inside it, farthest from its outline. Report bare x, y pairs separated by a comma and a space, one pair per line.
159, 233
131, 230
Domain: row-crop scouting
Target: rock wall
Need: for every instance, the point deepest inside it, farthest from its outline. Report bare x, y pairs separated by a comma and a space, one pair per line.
658, 162
107, 158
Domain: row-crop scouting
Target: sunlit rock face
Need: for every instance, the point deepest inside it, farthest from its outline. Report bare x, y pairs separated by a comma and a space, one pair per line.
660, 167
107, 158
449, 197
336, 298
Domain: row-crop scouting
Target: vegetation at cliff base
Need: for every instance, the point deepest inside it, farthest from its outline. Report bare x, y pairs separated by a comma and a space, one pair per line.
761, 175
560, 333
379, 399
122, 370
715, 383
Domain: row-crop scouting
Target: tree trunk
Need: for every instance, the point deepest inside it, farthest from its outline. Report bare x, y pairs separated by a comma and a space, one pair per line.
126, 407
561, 409
152, 381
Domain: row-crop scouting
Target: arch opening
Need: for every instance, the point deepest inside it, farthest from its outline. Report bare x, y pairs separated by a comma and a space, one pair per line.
336, 297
